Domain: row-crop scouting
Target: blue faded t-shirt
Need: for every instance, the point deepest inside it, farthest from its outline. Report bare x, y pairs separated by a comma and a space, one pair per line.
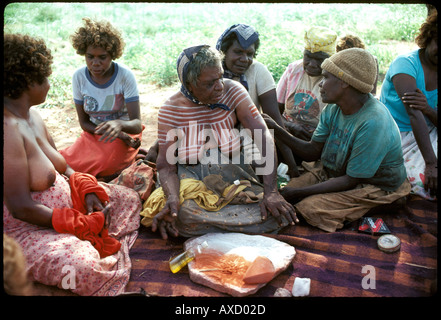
364, 145
409, 64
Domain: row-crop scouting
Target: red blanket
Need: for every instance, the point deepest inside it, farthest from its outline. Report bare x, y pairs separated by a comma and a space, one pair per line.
333, 261
86, 227
75, 220
80, 185
341, 264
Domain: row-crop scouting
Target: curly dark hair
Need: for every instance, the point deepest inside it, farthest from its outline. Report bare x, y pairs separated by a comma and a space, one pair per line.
26, 60
349, 41
98, 33
227, 42
428, 30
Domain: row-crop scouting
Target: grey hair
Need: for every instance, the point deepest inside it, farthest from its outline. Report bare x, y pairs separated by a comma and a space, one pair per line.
206, 57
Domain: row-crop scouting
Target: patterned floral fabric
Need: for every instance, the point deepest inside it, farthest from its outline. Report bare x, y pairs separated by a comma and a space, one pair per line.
65, 261
414, 161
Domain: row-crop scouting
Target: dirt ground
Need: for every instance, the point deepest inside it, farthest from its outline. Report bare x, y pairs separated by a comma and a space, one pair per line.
62, 121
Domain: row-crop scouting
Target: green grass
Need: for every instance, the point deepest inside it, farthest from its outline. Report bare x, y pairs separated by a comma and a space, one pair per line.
155, 33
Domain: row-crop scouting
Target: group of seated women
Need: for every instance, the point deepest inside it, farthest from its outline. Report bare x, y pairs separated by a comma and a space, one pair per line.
220, 140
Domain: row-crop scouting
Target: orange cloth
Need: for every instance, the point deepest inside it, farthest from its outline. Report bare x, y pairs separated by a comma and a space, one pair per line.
82, 184
86, 227
75, 221
99, 158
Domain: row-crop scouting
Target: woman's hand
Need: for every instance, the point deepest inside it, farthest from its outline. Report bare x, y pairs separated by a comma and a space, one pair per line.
431, 178
293, 128
165, 220
416, 100
275, 204
93, 203
128, 140
297, 130
270, 122
110, 130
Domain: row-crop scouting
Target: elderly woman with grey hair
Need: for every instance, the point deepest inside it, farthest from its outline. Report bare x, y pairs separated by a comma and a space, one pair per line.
200, 149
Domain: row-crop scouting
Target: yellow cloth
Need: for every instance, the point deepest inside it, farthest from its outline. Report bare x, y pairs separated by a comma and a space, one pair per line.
320, 39
188, 189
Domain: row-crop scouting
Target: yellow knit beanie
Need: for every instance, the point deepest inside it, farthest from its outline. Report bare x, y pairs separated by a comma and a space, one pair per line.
355, 66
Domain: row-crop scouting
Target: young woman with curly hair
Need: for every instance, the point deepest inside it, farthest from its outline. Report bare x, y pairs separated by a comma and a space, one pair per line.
107, 102
48, 208
410, 92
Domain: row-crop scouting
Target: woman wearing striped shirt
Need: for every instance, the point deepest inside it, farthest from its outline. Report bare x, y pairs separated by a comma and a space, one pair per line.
197, 138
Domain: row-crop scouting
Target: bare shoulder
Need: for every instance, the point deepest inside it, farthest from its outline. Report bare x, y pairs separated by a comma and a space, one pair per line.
13, 136
233, 86
178, 99
230, 84
36, 116
10, 121
175, 99
37, 124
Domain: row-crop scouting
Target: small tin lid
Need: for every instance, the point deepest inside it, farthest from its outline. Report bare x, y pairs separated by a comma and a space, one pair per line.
389, 243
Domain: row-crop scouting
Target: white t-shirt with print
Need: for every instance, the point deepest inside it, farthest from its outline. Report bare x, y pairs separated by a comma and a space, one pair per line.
104, 102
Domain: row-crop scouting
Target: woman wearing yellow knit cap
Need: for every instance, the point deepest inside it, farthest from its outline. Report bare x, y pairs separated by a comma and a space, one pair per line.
298, 91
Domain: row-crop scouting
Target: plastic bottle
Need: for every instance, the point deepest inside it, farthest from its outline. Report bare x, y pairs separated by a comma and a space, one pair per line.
282, 176
181, 260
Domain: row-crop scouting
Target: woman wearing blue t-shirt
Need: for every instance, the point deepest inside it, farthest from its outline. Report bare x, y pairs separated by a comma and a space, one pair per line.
357, 142
107, 102
410, 92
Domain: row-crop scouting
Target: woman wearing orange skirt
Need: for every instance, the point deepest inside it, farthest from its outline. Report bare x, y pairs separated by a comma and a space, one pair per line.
107, 102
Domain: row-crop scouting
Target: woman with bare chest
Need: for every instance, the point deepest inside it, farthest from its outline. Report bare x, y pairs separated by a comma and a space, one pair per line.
45, 201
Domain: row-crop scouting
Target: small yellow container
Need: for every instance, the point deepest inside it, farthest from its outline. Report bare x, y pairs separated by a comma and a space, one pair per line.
181, 260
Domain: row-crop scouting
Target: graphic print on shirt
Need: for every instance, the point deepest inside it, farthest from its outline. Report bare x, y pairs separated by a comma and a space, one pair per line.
303, 107
112, 108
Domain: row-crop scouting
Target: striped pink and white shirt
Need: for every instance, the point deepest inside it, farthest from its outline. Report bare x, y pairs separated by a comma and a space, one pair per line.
289, 80
192, 125
301, 95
